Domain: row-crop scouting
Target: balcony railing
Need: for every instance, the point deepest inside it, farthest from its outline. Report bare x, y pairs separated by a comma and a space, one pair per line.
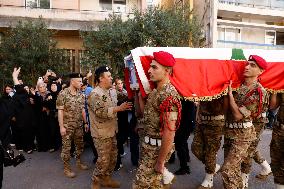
74, 15
46, 6
272, 4
246, 45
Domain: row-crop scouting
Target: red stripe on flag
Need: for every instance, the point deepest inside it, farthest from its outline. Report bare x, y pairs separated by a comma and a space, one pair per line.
127, 83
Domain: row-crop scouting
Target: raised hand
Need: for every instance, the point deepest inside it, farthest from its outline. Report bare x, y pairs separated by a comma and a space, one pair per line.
16, 72
89, 74
15, 75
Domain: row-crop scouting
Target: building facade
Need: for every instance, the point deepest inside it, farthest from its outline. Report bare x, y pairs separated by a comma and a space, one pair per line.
245, 24
67, 18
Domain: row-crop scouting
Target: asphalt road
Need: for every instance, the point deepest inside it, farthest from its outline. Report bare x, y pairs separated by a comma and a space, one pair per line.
44, 170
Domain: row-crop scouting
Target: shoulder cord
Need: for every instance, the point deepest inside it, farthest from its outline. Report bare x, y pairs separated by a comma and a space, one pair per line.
165, 108
258, 89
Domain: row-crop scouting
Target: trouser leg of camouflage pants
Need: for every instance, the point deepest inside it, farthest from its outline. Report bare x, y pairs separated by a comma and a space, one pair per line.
107, 152
252, 150
146, 176
73, 132
206, 143
277, 154
236, 144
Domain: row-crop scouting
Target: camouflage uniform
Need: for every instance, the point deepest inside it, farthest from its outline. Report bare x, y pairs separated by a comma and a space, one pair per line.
103, 129
277, 143
208, 133
259, 125
72, 106
239, 135
146, 176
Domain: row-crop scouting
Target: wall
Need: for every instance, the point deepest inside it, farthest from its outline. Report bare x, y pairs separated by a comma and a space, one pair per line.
92, 5
12, 2
65, 4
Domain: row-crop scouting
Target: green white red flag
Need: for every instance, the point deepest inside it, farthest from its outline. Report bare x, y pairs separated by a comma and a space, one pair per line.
204, 73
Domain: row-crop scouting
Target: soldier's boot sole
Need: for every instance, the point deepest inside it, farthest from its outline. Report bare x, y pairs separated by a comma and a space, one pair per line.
263, 177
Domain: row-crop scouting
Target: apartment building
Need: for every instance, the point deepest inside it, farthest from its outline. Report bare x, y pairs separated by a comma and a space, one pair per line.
67, 18
242, 24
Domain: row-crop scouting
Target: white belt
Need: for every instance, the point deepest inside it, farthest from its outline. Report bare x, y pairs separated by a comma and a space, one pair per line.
241, 125
153, 141
212, 118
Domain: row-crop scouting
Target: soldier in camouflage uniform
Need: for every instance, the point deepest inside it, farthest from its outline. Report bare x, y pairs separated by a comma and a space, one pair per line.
103, 118
207, 137
259, 124
244, 106
161, 117
70, 105
277, 142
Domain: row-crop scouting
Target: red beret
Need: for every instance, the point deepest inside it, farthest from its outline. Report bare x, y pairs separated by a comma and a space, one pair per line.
260, 61
164, 58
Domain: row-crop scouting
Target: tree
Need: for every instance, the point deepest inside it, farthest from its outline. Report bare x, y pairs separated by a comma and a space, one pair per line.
29, 45
155, 27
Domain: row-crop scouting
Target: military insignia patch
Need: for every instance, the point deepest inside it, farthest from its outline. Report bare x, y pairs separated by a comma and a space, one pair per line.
104, 98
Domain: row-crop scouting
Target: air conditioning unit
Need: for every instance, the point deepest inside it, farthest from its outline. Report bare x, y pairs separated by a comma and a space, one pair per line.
119, 8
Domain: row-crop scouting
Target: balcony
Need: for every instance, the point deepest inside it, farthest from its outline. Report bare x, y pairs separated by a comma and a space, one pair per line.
266, 10
58, 18
271, 4
245, 45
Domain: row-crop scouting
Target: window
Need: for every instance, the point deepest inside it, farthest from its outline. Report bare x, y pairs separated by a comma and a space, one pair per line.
31, 3
229, 34
270, 37
69, 55
43, 4
119, 5
280, 38
106, 5
121, 2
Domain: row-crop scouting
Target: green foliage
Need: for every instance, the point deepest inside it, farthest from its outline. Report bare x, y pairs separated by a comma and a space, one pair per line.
113, 39
29, 46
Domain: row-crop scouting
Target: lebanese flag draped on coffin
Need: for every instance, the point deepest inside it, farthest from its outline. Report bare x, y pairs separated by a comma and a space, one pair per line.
204, 73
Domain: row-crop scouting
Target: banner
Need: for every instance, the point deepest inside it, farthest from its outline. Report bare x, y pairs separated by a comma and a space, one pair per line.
204, 73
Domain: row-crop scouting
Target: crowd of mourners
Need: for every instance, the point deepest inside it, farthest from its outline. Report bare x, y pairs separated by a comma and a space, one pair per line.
34, 126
